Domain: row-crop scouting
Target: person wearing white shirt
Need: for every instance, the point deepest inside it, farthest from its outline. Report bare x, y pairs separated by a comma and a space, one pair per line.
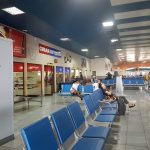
74, 89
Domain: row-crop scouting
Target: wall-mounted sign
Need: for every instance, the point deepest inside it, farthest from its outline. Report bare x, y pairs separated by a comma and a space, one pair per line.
67, 70
67, 58
19, 40
43, 49
18, 67
34, 67
59, 69
55, 61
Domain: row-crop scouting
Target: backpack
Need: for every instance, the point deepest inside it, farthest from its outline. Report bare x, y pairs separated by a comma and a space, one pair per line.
121, 106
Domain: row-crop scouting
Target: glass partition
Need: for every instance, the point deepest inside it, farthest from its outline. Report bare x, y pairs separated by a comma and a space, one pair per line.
34, 79
59, 77
48, 80
18, 76
67, 74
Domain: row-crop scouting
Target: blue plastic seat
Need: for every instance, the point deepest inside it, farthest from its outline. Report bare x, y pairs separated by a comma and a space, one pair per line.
91, 111
109, 111
111, 82
65, 129
88, 89
140, 82
105, 118
39, 136
98, 97
126, 82
133, 82
105, 82
79, 121
89, 144
65, 90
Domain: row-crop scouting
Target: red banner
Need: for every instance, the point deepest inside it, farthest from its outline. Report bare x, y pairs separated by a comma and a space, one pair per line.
18, 67
19, 40
34, 67
48, 68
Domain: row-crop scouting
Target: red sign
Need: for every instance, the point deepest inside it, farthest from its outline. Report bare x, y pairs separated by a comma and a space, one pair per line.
43, 49
19, 40
18, 67
34, 67
48, 68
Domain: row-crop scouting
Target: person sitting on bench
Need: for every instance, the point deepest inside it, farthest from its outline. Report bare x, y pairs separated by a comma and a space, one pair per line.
110, 97
74, 89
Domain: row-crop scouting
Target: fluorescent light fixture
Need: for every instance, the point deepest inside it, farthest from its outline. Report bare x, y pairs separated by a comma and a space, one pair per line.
25, 30
13, 11
120, 54
108, 24
96, 56
64, 39
119, 49
84, 50
114, 40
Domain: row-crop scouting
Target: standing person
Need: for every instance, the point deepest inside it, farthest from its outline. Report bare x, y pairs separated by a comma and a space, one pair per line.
148, 80
112, 97
74, 89
109, 76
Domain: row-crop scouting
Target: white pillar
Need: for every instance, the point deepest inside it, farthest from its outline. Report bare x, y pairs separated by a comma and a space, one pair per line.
119, 85
6, 90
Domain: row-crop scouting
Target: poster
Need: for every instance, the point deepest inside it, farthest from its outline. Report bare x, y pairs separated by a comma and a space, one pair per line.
19, 40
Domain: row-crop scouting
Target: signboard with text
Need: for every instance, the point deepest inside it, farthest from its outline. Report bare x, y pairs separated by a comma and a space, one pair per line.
43, 49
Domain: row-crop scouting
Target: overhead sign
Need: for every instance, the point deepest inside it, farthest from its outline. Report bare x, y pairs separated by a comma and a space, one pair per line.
43, 49
34, 67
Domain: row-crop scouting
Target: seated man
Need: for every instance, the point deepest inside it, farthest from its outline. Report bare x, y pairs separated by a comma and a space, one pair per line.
74, 89
110, 97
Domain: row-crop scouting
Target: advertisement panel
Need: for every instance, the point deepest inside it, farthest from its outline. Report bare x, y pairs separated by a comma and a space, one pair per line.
43, 49
19, 40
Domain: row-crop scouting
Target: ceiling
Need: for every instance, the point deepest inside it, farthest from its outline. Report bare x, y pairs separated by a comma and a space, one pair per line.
81, 21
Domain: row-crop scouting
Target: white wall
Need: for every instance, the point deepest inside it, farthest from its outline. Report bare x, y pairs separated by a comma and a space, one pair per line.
33, 56
6, 88
101, 66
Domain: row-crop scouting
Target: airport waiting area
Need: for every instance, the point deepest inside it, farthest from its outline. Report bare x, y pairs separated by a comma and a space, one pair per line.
75, 75
66, 122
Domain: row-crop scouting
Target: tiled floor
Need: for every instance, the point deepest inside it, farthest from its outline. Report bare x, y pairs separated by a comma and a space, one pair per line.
129, 132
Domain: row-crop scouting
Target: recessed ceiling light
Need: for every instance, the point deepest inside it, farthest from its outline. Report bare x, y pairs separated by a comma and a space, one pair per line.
108, 24
96, 56
64, 39
114, 40
119, 49
84, 50
13, 11
25, 30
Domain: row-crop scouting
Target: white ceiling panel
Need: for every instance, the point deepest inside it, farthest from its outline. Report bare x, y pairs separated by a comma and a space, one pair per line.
132, 14
120, 2
135, 38
135, 42
134, 45
134, 24
134, 32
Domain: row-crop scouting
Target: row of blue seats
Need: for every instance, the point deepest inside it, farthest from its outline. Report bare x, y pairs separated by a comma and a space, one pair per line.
126, 82
84, 90
67, 128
